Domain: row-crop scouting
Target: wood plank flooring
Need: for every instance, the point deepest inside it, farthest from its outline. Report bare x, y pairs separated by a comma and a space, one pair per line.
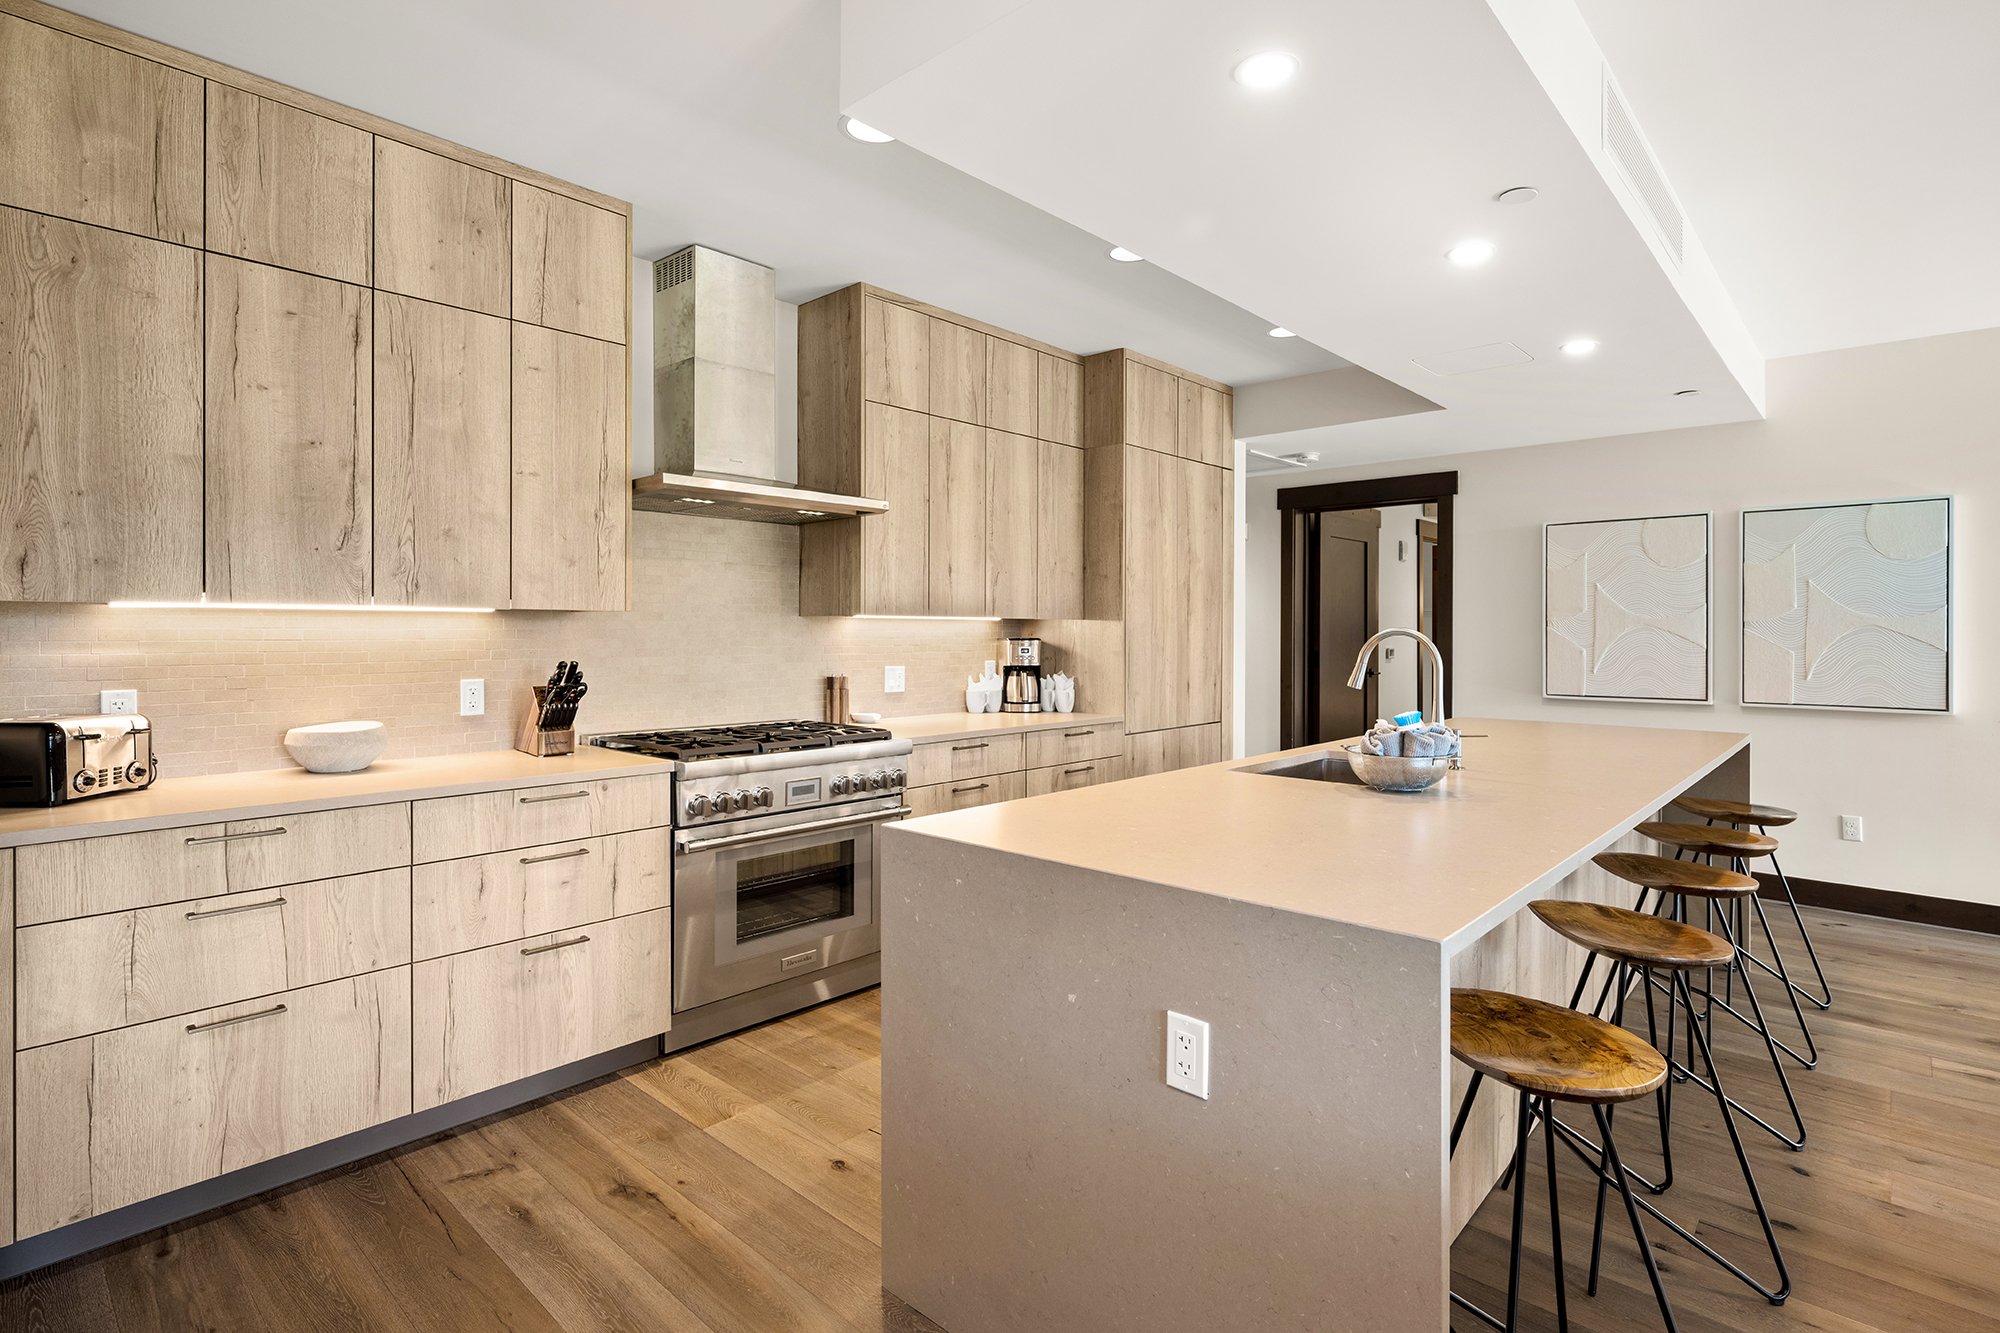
736, 1189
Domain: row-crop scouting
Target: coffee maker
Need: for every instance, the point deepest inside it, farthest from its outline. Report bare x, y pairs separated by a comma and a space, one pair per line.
1021, 670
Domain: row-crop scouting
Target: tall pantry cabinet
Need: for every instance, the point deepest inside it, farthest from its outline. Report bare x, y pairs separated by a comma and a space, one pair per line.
265, 348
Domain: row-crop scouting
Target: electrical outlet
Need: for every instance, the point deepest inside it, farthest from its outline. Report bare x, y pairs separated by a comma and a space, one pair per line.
471, 698
117, 702
892, 680
1187, 1054
1850, 828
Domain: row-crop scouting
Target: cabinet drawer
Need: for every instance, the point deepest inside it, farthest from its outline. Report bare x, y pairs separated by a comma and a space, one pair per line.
974, 757
966, 794
1067, 745
1069, 777
94, 973
499, 821
108, 1120
128, 870
483, 900
494, 1015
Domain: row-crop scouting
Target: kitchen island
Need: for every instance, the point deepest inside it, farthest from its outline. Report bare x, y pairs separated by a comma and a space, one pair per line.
1037, 1170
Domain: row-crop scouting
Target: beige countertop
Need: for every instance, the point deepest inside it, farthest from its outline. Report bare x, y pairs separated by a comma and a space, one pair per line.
172, 802
1534, 801
958, 726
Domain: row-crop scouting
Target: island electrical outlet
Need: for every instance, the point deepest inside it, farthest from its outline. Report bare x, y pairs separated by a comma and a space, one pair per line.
1187, 1054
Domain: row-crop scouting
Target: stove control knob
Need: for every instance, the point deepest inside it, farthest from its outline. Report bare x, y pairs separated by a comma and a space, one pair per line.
838, 787
739, 800
697, 806
897, 777
878, 780
762, 798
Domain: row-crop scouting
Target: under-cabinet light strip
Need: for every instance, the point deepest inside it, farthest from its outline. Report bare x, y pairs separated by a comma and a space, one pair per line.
982, 619
296, 606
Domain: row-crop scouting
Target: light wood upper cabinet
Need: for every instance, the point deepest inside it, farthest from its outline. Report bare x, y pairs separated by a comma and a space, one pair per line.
96, 135
571, 471
289, 436
1156, 570
441, 229
572, 264
443, 475
1152, 408
1203, 425
958, 519
1013, 387
287, 187
958, 372
895, 547
896, 355
1013, 478
100, 413
1060, 389
1202, 505
1059, 532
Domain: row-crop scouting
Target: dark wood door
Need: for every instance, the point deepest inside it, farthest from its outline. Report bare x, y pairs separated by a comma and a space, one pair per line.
1347, 615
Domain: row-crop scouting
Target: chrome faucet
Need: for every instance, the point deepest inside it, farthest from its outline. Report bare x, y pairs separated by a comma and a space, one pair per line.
1360, 675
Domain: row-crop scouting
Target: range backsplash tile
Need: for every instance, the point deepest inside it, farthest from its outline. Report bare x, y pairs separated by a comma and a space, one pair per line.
714, 635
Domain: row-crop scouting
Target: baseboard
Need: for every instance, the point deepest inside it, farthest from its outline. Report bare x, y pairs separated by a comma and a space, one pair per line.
1951, 912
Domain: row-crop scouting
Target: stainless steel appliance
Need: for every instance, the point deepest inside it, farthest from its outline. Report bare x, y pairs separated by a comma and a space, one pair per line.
775, 881
51, 760
1021, 672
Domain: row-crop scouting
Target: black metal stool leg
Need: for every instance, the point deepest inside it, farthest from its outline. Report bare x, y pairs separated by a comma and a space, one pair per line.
1520, 1214
1824, 999
1617, 1169
1555, 1218
1775, 1047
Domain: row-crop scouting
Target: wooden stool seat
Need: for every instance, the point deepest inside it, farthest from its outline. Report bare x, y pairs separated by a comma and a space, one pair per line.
1632, 937
1663, 872
1737, 812
1551, 1051
1711, 839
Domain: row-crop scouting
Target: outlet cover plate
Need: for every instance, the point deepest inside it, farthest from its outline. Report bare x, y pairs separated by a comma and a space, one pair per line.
1187, 1054
472, 697
1850, 828
892, 680
117, 703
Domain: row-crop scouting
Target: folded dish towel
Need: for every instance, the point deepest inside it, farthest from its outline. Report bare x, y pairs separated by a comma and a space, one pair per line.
1433, 741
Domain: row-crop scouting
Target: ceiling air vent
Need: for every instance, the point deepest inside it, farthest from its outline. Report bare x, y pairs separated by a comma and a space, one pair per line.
674, 270
1635, 161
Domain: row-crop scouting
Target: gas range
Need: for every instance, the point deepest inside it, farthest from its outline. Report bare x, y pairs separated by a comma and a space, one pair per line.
764, 768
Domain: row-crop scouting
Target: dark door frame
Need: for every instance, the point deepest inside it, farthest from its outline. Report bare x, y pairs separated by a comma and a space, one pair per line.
1300, 508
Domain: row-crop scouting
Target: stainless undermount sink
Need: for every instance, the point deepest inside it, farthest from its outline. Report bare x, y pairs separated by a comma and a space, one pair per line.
1321, 766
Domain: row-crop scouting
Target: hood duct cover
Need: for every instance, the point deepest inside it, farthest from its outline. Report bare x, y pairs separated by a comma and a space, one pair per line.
715, 386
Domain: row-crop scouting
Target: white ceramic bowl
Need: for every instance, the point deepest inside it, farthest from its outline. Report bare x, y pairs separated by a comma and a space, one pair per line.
337, 747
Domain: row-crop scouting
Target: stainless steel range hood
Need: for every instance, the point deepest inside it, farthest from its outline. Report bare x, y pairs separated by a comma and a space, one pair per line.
715, 398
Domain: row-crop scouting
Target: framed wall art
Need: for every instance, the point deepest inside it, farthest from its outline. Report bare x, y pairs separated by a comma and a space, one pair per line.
1625, 610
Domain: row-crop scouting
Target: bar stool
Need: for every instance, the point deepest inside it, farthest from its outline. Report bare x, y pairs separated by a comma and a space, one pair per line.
1676, 882
1764, 818
1651, 944
1549, 1054
1739, 845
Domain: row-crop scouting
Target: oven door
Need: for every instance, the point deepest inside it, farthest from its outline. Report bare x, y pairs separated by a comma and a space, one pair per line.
771, 899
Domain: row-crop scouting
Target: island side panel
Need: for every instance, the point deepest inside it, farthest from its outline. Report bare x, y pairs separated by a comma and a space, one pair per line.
1038, 1173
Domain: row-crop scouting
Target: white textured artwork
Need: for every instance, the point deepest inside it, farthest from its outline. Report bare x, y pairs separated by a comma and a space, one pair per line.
1848, 606
1625, 609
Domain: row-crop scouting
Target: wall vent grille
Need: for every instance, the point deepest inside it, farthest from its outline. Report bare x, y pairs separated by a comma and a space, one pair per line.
1635, 161
674, 270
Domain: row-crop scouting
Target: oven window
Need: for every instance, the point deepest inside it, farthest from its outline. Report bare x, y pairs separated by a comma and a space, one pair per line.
786, 890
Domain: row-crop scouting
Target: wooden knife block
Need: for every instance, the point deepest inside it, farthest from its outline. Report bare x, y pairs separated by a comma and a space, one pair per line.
542, 742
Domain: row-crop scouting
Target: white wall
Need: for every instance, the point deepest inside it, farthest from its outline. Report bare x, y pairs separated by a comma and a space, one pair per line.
1899, 419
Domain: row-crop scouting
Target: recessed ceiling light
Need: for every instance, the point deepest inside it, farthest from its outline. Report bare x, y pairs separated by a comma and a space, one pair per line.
1122, 255
1580, 346
1283, 333
1520, 194
1266, 69
1470, 254
864, 132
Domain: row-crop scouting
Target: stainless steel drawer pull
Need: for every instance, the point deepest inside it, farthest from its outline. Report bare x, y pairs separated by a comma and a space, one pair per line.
558, 796
555, 856
1074, 734
559, 944
982, 786
232, 911
240, 1018
980, 746
232, 837
1087, 768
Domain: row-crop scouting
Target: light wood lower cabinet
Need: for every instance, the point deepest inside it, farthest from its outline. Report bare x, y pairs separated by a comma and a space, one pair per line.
483, 900
966, 793
95, 973
6, 1065
1070, 777
121, 1116
1068, 745
967, 757
495, 1015
1175, 748
455, 826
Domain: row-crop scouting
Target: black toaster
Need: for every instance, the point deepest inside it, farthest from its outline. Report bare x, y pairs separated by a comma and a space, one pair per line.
52, 760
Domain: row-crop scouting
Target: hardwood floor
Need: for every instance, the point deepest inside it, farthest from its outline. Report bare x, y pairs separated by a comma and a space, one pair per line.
736, 1189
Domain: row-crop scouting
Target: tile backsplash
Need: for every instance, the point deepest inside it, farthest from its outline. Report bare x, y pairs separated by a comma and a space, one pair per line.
714, 635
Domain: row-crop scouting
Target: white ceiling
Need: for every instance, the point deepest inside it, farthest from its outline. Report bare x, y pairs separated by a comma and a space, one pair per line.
1327, 206
719, 122
1839, 156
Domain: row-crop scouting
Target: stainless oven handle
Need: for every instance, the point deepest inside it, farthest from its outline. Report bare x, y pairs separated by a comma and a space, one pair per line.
766, 835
